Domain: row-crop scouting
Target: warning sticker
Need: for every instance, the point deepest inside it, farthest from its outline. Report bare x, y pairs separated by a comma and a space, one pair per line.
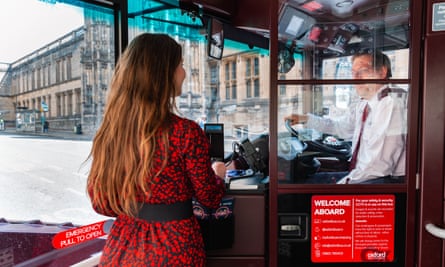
352, 228
81, 234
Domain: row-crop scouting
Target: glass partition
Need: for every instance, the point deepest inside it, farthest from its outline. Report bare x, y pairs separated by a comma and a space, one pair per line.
323, 129
321, 146
343, 87
314, 31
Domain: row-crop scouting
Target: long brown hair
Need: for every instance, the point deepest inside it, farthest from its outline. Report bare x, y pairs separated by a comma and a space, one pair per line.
139, 104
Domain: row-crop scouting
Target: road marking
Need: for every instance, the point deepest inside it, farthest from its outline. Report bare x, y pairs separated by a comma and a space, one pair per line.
82, 175
46, 180
76, 192
55, 167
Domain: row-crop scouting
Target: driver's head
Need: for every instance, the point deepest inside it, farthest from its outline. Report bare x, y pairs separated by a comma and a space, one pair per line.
374, 65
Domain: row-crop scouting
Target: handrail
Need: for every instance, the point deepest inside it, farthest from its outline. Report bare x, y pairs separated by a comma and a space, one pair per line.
51, 256
90, 262
435, 231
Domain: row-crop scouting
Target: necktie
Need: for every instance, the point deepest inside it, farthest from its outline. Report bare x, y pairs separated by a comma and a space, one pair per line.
357, 146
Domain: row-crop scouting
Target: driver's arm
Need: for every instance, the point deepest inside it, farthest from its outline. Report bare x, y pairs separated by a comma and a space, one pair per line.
343, 126
296, 119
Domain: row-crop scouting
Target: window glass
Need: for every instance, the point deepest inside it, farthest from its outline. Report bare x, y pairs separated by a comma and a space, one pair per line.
320, 148
53, 87
56, 62
343, 130
232, 91
312, 33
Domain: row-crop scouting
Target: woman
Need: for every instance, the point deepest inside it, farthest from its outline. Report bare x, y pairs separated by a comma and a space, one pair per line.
148, 163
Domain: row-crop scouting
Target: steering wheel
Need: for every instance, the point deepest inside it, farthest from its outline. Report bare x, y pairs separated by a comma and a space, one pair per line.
339, 149
330, 146
291, 145
290, 129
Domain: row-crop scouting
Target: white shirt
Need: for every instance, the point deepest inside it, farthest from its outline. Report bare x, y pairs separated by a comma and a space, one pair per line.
383, 145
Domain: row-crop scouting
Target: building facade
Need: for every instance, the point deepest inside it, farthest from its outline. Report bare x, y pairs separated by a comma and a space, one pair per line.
63, 83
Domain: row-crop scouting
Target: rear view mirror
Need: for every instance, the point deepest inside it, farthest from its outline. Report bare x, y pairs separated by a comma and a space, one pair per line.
215, 39
286, 59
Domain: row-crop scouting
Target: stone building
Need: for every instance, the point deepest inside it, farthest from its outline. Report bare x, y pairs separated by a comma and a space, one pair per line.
63, 83
66, 81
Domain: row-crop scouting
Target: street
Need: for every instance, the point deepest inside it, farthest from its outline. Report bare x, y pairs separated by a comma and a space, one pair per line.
44, 179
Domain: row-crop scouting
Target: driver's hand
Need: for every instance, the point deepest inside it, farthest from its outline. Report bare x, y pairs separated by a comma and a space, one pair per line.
296, 118
344, 180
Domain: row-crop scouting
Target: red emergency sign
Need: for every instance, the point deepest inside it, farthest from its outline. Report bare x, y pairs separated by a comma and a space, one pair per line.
81, 234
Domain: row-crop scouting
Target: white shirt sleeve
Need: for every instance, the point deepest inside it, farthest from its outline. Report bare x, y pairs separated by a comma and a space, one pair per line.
343, 126
382, 148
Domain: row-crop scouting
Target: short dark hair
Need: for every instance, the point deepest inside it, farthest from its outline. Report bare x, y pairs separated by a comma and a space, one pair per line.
379, 60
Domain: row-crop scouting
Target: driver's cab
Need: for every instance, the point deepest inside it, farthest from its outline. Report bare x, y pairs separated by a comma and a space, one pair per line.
317, 41
304, 64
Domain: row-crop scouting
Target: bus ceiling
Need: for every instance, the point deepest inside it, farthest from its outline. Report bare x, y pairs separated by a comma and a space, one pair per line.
332, 27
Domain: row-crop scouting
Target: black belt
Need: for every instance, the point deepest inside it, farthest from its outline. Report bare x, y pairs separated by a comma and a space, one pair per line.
395, 179
166, 212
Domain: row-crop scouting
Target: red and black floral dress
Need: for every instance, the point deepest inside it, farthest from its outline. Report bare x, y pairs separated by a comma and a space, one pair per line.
137, 242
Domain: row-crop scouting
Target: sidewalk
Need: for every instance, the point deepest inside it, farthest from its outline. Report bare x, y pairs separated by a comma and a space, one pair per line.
66, 135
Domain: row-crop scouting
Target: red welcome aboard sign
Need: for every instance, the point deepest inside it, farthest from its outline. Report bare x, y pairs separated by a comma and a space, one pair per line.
352, 228
81, 234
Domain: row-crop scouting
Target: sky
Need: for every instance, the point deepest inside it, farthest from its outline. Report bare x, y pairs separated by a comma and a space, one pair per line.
27, 25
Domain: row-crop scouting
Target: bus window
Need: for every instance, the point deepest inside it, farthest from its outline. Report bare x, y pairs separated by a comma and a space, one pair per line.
233, 90
57, 77
56, 66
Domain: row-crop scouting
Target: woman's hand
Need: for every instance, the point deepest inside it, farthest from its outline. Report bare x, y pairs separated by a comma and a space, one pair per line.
219, 168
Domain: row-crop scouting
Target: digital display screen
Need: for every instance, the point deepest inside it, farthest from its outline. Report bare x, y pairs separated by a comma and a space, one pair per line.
213, 127
215, 134
293, 23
